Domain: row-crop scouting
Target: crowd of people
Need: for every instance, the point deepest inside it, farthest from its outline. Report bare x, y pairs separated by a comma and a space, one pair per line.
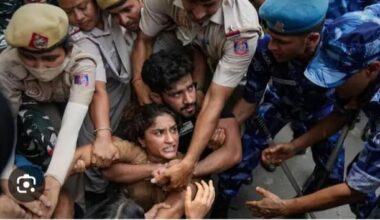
130, 108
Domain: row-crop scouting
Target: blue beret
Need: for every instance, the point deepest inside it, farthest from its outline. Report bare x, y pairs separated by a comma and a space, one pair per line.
293, 16
349, 44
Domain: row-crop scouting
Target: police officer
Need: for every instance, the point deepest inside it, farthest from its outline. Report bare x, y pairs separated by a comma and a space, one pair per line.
42, 66
98, 33
128, 13
282, 56
226, 32
348, 60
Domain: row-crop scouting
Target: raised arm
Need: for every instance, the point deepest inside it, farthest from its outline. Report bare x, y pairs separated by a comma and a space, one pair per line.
142, 49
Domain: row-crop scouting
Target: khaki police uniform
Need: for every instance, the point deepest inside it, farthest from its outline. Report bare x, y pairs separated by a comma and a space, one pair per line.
228, 38
16, 82
72, 82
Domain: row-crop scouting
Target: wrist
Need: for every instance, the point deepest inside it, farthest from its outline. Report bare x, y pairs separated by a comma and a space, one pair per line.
189, 162
104, 135
296, 145
136, 81
103, 131
286, 208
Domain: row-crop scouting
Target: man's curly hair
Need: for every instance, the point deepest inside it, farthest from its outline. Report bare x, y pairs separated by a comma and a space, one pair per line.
166, 67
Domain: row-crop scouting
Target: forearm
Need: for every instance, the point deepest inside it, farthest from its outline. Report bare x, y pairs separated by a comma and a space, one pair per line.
66, 141
243, 110
322, 130
176, 201
142, 49
99, 111
228, 155
324, 199
207, 120
217, 162
200, 67
128, 173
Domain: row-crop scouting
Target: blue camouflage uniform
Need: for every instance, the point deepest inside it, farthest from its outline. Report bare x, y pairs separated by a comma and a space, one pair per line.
350, 44
339, 7
288, 96
364, 175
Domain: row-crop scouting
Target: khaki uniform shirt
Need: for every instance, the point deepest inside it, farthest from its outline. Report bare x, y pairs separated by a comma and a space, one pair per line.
76, 84
228, 38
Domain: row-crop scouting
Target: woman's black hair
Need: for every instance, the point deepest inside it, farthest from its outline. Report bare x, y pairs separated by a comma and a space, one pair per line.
116, 207
146, 115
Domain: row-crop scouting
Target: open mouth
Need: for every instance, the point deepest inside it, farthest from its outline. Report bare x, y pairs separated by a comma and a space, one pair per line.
170, 149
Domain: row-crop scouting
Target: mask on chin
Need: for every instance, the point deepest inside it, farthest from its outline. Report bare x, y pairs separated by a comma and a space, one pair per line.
47, 74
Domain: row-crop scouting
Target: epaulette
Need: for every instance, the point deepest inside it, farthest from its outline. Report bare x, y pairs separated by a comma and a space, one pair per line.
232, 33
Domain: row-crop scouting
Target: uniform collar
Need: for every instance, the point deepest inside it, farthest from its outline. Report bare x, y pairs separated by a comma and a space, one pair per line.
216, 18
96, 32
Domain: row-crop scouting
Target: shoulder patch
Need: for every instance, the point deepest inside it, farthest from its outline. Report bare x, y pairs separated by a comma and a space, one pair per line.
82, 79
241, 47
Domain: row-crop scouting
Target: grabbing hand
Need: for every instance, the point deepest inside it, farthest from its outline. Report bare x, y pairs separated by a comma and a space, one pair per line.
204, 198
278, 153
82, 159
10, 209
152, 213
50, 195
217, 139
157, 176
104, 151
269, 206
179, 174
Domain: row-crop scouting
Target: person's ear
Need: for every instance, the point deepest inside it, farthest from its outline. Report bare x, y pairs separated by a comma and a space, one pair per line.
156, 98
313, 40
142, 143
373, 69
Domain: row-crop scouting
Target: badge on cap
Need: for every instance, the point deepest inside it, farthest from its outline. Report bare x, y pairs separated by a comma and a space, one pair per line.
81, 79
37, 41
279, 27
241, 47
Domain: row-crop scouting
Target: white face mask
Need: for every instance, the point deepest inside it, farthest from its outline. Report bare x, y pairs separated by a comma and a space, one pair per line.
48, 74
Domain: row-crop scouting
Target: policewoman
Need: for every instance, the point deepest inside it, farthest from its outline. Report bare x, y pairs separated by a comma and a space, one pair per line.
97, 32
41, 66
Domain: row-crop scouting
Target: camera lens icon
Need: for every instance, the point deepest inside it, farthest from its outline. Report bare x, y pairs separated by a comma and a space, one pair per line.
26, 183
